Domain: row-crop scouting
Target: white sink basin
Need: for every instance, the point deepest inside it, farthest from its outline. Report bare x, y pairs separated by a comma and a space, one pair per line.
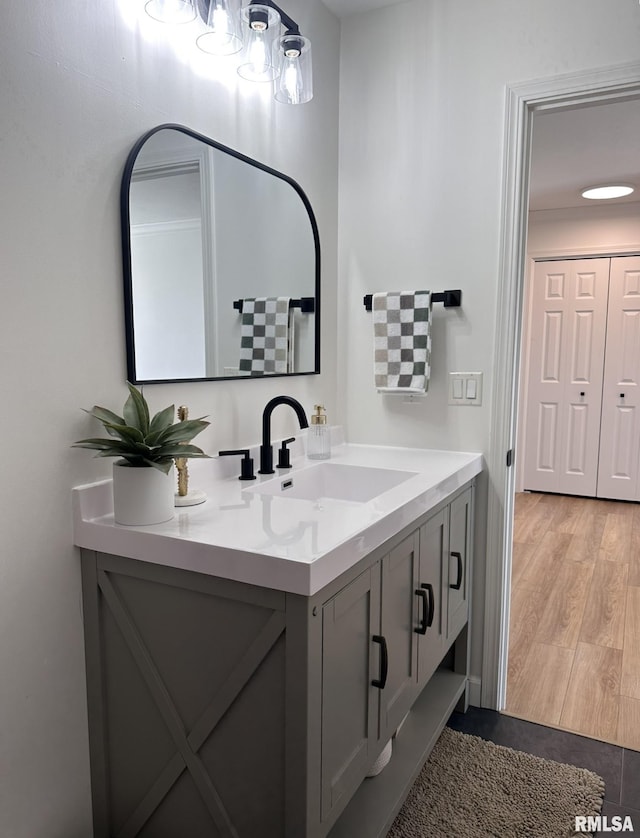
334, 481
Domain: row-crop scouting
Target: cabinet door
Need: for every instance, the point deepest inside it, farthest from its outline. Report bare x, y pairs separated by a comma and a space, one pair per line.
399, 614
350, 661
458, 583
430, 625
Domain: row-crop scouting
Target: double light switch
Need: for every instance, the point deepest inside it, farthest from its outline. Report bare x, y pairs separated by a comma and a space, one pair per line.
465, 388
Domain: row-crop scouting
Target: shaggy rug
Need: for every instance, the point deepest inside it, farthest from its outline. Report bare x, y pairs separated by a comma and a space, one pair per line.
470, 788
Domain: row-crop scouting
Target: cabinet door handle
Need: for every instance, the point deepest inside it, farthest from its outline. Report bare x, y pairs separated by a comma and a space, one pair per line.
424, 621
428, 611
432, 603
384, 662
458, 583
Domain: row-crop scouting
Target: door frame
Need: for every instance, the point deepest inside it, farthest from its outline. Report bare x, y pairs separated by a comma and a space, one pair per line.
608, 84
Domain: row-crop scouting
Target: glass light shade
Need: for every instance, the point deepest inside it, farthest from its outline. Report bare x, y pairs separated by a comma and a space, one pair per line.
171, 11
603, 193
295, 79
261, 27
223, 35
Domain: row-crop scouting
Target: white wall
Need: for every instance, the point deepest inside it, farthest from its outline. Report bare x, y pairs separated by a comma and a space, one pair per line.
422, 130
600, 230
79, 83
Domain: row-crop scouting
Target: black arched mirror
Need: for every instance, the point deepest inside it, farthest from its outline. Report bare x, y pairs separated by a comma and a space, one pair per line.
221, 261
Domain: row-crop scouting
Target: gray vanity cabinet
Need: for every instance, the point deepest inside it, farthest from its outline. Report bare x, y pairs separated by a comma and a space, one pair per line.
375, 665
219, 709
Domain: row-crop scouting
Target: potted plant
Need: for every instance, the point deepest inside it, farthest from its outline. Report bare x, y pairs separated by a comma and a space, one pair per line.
143, 477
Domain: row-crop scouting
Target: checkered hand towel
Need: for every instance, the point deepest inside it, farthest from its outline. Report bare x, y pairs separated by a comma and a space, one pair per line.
402, 341
264, 340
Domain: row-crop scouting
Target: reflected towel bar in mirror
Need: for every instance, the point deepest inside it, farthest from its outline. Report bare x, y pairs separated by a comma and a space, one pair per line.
307, 305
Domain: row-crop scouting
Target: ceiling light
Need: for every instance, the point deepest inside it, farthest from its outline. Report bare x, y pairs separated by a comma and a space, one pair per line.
603, 193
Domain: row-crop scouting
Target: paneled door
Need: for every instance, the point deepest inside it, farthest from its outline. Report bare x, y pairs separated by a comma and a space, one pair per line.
565, 374
618, 472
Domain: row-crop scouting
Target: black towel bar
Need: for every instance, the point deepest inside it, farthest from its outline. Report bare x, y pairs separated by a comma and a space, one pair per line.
307, 305
451, 299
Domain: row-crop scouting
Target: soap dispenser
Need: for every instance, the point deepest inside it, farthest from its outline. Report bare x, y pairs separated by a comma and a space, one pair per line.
318, 436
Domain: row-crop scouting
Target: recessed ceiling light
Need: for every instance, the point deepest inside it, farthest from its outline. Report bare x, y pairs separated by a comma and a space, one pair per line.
602, 193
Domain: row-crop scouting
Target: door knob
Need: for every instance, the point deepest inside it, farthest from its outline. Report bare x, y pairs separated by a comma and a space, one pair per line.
622, 395
582, 393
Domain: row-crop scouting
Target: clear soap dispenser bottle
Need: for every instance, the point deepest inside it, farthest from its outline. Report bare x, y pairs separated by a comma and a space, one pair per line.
318, 438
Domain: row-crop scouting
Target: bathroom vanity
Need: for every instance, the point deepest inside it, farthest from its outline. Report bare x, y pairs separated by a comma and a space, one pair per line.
248, 661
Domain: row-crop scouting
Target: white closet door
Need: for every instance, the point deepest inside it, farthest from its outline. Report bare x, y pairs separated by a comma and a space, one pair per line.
566, 359
618, 473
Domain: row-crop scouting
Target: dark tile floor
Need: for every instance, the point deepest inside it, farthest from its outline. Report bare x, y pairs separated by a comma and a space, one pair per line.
619, 767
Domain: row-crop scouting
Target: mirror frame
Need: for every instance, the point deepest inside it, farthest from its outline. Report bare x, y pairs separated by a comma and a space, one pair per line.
125, 220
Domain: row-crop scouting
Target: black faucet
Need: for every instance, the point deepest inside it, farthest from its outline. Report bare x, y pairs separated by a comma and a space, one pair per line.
266, 451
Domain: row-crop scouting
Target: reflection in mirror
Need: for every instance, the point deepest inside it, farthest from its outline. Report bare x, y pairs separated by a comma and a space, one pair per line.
221, 264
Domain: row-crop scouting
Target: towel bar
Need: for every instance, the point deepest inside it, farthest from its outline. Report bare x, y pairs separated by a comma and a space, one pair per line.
451, 299
307, 305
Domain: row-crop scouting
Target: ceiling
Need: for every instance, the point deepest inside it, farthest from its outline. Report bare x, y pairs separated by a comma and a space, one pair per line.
581, 147
572, 148
343, 8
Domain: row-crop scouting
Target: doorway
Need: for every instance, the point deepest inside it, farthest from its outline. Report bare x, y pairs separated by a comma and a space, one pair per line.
575, 584
614, 84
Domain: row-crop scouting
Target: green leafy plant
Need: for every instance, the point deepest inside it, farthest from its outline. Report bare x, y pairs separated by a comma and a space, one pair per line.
141, 441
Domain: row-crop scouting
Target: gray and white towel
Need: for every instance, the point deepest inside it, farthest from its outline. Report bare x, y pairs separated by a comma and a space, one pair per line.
265, 337
402, 341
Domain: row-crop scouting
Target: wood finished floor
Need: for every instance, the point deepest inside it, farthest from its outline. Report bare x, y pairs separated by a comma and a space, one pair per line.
574, 635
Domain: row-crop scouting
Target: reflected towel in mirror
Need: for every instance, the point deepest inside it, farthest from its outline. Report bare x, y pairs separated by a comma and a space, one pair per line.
402, 341
266, 339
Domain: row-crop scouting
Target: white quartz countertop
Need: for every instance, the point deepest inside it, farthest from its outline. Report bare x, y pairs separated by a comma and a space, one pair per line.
270, 540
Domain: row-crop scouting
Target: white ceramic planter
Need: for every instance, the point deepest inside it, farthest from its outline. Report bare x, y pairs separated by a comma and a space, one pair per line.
142, 496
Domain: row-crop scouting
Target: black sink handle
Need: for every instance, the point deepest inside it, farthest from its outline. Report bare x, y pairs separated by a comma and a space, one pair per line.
284, 455
246, 464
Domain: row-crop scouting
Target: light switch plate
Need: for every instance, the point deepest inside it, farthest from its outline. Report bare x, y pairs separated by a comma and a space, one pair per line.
461, 386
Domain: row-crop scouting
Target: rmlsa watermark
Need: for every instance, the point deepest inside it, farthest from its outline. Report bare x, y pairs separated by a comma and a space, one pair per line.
602, 823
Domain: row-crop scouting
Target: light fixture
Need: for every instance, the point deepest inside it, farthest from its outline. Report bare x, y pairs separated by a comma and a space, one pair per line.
222, 35
261, 28
267, 56
611, 190
171, 11
295, 82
